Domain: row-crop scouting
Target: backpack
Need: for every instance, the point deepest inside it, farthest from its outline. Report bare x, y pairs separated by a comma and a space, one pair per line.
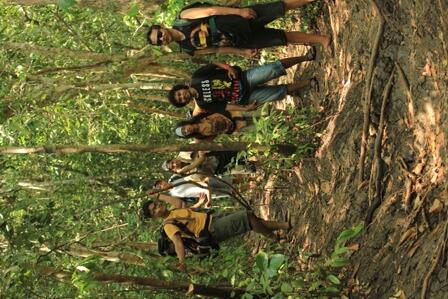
196, 246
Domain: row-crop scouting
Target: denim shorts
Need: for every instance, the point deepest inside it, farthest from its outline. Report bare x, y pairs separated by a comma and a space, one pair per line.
257, 76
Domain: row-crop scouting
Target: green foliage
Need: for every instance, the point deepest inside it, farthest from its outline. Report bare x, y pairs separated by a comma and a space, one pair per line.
66, 4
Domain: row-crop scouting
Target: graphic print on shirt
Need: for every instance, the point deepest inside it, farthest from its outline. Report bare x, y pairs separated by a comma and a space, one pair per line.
220, 90
199, 35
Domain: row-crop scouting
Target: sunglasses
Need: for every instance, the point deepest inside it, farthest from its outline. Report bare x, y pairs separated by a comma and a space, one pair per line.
159, 37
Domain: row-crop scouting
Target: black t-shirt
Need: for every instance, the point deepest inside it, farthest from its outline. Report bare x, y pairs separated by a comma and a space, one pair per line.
216, 89
233, 31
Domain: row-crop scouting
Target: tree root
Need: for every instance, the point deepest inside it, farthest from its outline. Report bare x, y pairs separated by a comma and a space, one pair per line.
368, 92
378, 163
411, 107
439, 251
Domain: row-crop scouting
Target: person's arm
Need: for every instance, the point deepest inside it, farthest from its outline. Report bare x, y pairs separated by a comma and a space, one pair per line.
180, 251
201, 199
173, 201
204, 12
227, 50
195, 163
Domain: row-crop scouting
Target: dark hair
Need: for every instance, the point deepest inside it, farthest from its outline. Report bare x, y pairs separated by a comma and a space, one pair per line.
148, 35
145, 212
171, 95
157, 184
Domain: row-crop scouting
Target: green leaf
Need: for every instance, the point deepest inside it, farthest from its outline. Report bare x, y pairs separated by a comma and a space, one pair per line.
332, 290
348, 234
333, 279
286, 288
315, 285
339, 251
338, 262
66, 4
261, 260
133, 10
276, 261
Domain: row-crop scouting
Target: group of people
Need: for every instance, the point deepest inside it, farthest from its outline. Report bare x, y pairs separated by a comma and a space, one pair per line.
220, 93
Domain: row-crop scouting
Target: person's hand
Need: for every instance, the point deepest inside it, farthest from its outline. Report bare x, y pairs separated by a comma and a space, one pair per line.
202, 197
248, 13
251, 106
231, 72
249, 52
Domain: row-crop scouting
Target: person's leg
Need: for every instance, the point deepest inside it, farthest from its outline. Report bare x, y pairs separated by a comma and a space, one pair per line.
296, 37
291, 61
292, 4
263, 73
265, 227
266, 13
268, 94
259, 227
293, 88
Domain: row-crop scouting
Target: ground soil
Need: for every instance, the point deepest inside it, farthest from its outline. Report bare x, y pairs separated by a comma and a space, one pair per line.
402, 194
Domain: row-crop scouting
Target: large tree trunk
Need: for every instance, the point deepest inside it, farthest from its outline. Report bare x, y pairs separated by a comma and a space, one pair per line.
285, 149
190, 288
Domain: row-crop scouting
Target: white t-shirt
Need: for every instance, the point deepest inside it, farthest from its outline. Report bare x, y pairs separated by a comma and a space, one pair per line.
187, 189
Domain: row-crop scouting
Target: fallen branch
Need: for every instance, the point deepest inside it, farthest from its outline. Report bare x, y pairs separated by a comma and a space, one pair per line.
368, 92
378, 163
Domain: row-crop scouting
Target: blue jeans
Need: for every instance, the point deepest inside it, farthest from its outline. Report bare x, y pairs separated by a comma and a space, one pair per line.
257, 76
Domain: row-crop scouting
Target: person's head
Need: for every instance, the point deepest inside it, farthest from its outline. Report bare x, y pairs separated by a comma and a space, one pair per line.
186, 130
154, 209
161, 184
158, 35
180, 95
172, 165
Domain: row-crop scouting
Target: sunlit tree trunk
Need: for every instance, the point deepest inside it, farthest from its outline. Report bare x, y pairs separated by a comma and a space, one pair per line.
286, 149
157, 111
111, 256
186, 287
126, 148
147, 7
51, 52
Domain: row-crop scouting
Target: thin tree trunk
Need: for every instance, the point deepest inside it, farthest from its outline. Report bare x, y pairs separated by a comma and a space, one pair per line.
128, 148
190, 288
51, 52
156, 111
284, 149
147, 7
111, 256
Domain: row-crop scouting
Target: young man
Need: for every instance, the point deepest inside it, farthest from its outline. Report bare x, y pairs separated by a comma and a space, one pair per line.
219, 228
205, 29
218, 87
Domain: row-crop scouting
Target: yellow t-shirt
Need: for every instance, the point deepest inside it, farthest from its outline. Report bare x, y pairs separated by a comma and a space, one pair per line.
195, 224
